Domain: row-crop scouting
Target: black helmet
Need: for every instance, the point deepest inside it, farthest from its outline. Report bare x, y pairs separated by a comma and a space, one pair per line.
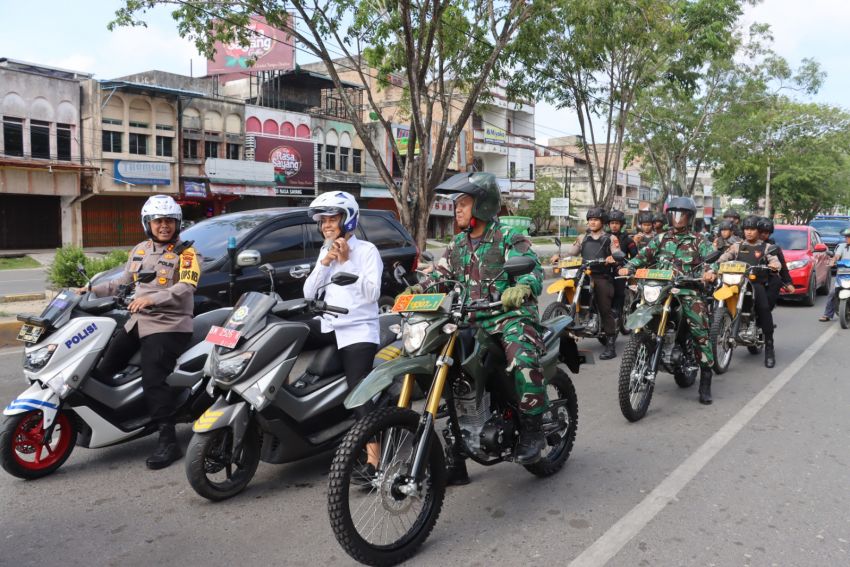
725, 225
480, 186
681, 205
658, 217
597, 213
751, 221
616, 215
765, 225
731, 214
644, 216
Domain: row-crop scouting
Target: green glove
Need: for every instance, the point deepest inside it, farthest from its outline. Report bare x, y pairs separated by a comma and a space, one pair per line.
514, 297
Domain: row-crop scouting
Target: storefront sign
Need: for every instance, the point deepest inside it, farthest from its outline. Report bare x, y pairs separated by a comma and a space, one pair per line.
224, 189
292, 161
402, 136
267, 49
295, 191
495, 135
236, 171
143, 172
194, 189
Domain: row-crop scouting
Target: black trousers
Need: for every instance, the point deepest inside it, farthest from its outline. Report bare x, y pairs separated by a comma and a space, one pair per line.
604, 293
774, 286
160, 352
357, 358
763, 309
619, 295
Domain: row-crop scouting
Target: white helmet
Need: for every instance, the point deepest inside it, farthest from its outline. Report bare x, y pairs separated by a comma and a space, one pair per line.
160, 207
334, 203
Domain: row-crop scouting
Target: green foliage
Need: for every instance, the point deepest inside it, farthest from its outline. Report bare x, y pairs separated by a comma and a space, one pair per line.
63, 271
18, 263
538, 208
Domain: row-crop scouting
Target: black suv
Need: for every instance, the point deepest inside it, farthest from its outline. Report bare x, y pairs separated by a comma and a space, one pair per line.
285, 238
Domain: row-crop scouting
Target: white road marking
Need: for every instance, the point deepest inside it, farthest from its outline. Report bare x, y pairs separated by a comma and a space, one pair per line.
627, 527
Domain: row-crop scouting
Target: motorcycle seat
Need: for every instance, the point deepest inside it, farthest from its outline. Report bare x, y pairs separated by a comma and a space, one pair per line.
202, 324
327, 362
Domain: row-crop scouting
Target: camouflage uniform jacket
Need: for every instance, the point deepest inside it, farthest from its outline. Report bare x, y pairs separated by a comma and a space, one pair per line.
683, 252
474, 264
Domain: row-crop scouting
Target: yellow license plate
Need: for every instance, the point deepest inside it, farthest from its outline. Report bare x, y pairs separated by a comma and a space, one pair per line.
421, 302
733, 267
571, 263
30, 333
652, 274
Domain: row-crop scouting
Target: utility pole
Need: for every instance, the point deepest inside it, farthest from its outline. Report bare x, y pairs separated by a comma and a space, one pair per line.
767, 192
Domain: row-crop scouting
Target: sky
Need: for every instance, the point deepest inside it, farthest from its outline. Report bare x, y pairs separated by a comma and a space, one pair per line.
74, 36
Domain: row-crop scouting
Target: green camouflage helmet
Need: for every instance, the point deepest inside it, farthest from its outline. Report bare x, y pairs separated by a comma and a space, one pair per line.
480, 186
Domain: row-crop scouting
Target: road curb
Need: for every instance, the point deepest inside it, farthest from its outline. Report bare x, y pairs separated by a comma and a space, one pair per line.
9, 333
13, 297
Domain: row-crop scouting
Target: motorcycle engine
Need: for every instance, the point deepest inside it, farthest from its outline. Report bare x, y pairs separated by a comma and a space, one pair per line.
472, 414
497, 436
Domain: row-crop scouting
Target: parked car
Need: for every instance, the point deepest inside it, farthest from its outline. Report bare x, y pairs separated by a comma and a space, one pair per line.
829, 228
286, 238
808, 261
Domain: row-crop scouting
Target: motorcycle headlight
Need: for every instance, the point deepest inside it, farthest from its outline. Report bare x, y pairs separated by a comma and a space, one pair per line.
58, 385
413, 335
651, 293
37, 359
569, 274
732, 279
845, 283
797, 264
230, 368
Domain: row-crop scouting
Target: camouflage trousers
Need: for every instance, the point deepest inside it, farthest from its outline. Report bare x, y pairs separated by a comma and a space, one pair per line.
521, 340
694, 310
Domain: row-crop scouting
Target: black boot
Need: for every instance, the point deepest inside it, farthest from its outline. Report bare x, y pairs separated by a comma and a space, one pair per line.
609, 352
769, 354
167, 450
531, 440
705, 386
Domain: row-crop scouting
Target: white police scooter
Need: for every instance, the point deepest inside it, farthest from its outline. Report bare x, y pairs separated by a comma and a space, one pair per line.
64, 406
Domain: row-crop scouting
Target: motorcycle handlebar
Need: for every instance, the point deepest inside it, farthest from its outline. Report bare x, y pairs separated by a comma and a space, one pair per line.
322, 306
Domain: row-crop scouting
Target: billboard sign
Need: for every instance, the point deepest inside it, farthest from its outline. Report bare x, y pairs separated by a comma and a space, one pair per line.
268, 48
402, 135
292, 161
143, 172
495, 135
559, 206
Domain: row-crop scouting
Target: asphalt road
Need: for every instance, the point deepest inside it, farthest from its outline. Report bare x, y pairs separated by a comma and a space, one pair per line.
22, 281
758, 478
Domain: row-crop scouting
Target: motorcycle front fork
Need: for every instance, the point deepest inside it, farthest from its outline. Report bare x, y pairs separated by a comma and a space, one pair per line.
659, 337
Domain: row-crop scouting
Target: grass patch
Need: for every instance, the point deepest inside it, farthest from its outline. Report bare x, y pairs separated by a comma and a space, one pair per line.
18, 263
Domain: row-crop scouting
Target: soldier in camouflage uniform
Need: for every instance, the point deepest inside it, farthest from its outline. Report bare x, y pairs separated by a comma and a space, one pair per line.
476, 255
684, 250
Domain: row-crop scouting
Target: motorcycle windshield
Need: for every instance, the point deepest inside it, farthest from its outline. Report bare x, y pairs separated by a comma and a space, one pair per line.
249, 313
61, 304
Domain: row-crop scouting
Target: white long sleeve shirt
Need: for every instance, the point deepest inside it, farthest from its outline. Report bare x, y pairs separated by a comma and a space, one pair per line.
360, 324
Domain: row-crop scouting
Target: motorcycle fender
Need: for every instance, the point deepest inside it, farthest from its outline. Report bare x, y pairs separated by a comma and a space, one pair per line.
641, 316
381, 377
725, 292
222, 414
557, 286
844, 294
36, 398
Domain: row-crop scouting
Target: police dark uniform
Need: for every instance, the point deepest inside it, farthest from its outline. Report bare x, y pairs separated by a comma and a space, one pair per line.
775, 281
163, 331
757, 254
630, 249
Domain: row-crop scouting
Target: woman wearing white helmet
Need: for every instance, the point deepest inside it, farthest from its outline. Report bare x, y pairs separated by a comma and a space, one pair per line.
355, 334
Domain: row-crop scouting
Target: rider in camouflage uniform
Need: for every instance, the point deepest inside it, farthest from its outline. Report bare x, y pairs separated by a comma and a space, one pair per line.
476, 255
684, 250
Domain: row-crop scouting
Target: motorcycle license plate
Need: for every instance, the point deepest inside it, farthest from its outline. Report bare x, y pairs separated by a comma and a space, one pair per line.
223, 337
570, 263
652, 274
733, 267
30, 333
421, 302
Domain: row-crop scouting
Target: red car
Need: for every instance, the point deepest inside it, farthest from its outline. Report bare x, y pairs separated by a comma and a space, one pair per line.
808, 261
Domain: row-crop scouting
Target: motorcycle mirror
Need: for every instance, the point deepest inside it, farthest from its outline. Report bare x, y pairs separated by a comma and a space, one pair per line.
267, 269
344, 278
519, 266
248, 258
427, 256
146, 276
557, 242
399, 273
81, 269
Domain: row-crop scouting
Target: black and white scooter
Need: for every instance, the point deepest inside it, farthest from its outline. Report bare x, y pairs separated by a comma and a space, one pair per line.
275, 401
64, 406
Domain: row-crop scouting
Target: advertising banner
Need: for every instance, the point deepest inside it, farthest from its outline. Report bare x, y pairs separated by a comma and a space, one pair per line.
268, 48
495, 135
143, 172
194, 189
401, 139
293, 164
